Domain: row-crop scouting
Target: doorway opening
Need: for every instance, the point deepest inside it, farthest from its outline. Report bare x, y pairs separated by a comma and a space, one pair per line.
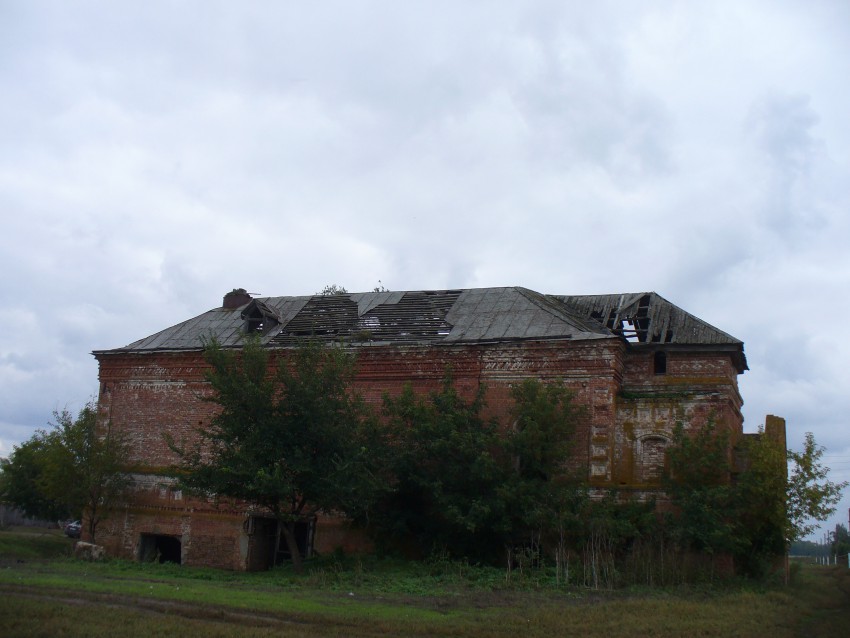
268, 546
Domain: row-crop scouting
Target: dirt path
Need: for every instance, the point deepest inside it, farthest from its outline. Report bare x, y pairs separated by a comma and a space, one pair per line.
153, 605
831, 618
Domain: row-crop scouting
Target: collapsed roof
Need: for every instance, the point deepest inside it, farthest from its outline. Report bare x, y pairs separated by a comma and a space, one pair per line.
444, 317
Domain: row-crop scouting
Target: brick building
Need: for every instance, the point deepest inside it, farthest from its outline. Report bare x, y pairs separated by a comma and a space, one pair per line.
636, 361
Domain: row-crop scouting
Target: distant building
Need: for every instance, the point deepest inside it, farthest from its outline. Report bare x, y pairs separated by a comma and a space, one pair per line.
637, 362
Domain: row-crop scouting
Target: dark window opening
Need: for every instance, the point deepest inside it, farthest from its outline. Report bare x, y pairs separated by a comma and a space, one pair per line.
259, 318
158, 548
659, 362
260, 324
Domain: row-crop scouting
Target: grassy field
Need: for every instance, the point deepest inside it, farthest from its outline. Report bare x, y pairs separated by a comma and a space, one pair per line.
45, 593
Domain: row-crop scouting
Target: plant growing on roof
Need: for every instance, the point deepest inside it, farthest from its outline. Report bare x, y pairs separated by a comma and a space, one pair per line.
332, 289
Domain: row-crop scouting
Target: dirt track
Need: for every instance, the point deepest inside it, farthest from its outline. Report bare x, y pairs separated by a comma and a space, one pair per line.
152, 605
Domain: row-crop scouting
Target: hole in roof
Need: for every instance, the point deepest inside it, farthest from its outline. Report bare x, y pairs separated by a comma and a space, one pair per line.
627, 328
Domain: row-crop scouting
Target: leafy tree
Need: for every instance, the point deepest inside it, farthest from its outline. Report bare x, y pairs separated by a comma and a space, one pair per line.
76, 467
812, 497
840, 541
541, 440
758, 517
698, 484
88, 466
775, 509
20, 480
543, 493
760, 497
445, 474
806, 548
287, 440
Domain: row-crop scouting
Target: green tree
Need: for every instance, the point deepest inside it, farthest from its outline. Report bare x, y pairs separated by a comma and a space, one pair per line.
698, 482
544, 494
840, 541
88, 466
757, 517
760, 497
442, 457
20, 480
775, 508
812, 497
76, 468
290, 440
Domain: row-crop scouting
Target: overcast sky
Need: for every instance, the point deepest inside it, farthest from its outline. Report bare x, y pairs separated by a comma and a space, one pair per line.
156, 155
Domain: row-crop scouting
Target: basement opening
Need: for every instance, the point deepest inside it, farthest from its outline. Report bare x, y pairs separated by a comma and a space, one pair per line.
268, 545
305, 532
159, 548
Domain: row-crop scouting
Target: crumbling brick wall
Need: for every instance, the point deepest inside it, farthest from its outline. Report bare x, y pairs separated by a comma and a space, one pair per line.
631, 411
693, 390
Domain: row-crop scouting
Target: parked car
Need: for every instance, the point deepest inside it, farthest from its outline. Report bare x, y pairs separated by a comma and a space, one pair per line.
73, 529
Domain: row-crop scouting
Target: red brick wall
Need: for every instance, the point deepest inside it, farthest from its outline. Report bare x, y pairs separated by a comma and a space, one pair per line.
695, 389
150, 395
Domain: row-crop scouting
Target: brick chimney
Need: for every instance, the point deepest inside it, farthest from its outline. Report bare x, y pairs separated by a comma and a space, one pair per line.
236, 298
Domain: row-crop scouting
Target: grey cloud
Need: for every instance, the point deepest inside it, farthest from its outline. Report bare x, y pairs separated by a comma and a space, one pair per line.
782, 128
157, 155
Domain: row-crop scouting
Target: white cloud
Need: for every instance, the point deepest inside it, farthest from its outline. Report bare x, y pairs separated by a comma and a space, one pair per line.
156, 156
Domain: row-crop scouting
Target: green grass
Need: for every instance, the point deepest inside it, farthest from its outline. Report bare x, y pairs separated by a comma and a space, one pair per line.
48, 596
26, 543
